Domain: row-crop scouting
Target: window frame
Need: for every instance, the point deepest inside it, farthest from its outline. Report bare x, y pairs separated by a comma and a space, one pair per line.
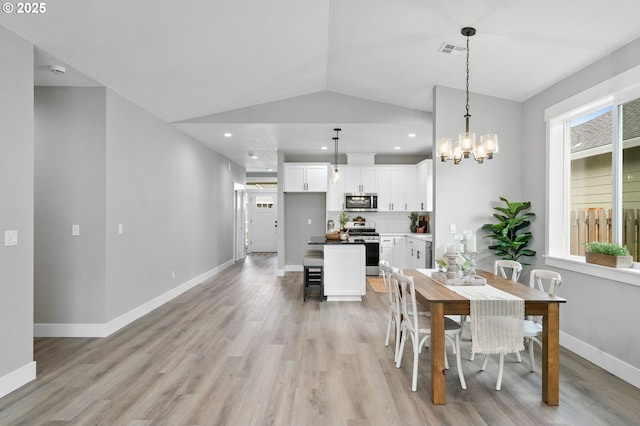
613, 92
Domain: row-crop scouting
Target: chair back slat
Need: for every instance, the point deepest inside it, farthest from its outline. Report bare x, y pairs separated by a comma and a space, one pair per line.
501, 266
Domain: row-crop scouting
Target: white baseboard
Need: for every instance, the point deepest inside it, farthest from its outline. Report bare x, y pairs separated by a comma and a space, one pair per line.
613, 365
17, 378
104, 330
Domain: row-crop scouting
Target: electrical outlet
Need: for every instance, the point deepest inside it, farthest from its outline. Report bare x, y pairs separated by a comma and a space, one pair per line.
75, 230
10, 238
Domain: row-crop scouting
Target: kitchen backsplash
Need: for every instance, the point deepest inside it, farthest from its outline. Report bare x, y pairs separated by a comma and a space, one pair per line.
386, 222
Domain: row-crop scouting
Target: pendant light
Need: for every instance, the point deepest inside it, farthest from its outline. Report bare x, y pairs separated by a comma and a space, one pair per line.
467, 144
336, 173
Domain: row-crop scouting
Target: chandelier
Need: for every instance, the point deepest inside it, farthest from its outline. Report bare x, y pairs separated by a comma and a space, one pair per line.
336, 173
467, 144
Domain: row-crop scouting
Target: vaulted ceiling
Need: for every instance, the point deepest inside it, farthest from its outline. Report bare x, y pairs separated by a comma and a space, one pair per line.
202, 62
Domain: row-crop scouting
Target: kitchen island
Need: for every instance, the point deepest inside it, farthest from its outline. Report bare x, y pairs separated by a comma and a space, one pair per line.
344, 268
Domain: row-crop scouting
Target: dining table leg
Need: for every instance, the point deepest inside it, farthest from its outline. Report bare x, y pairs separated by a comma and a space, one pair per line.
438, 385
551, 355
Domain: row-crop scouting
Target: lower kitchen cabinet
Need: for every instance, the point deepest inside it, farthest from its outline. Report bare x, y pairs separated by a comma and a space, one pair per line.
419, 253
393, 250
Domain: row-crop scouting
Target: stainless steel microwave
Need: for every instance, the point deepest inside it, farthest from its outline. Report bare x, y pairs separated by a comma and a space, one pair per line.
361, 202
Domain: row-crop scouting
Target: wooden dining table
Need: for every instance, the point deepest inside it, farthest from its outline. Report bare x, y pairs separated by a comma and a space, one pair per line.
441, 301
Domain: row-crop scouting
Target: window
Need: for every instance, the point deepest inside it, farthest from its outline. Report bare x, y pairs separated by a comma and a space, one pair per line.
595, 152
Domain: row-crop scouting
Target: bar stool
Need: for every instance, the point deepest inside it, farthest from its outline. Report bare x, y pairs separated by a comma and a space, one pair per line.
313, 264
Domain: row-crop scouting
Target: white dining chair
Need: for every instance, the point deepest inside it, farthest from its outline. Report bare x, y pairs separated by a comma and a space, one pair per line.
509, 269
417, 328
548, 282
395, 318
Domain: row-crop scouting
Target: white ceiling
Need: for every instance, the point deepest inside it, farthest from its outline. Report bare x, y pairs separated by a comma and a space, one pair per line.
185, 60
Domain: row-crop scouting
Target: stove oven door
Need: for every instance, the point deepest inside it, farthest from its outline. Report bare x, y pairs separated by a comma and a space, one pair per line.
372, 256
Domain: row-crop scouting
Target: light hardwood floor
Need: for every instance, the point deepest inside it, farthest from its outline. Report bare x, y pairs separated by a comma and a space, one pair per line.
243, 349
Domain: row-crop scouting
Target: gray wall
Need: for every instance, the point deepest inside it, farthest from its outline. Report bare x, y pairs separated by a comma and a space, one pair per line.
101, 162
70, 188
601, 313
299, 208
174, 198
465, 194
16, 204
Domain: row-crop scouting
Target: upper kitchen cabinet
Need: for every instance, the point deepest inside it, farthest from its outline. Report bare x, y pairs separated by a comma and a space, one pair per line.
360, 179
335, 193
305, 177
425, 186
397, 188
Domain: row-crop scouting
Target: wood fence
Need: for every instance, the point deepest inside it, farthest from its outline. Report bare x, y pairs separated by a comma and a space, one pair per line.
589, 225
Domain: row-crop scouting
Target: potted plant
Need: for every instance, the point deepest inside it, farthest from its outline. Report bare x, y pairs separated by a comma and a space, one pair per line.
413, 225
608, 254
510, 235
343, 218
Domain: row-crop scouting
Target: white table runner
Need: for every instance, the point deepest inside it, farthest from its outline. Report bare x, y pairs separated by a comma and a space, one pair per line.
497, 318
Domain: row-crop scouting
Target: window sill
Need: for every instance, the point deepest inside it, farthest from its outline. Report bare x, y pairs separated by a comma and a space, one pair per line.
577, 264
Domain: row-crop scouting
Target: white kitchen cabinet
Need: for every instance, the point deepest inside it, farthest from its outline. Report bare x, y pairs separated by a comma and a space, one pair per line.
335, 194
424, 190
418, 253
393, 250
303, 177
344, 272
400, 252
386, 249
397, 188
359, 179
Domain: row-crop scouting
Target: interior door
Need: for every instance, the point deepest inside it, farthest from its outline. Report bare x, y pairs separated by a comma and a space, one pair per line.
263, 221
239, 235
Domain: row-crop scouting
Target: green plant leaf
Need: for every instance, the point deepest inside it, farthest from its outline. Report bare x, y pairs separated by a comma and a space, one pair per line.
509, 235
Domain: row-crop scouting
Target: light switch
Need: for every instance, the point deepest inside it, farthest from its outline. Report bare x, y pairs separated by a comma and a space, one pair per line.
75, 230
11, 238
308, 221
120, 228
452, 228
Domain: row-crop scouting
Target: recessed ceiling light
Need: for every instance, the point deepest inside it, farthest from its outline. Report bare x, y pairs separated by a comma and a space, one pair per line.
412, 135
253, 156
396, 147
324, 148
227, 135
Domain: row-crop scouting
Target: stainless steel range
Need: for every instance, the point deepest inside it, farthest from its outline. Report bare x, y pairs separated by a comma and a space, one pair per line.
366, 232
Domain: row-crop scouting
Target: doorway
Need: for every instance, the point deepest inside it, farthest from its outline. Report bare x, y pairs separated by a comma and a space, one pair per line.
263, 221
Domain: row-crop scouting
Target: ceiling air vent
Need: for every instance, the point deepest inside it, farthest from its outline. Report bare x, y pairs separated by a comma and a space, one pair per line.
451, 48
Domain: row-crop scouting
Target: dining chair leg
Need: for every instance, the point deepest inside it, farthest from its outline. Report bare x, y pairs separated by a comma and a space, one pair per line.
459, 363
403, 340
416, 358
532, 365
484, 363
386, 340
398, 333
518, 357
499, 383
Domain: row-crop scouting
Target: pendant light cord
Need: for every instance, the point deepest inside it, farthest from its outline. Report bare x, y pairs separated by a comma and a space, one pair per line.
467, 115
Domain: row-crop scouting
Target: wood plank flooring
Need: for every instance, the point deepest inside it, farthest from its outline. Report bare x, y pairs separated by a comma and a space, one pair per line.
243, 349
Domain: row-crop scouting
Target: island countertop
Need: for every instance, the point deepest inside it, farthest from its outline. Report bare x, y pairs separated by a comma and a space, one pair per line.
324, 241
